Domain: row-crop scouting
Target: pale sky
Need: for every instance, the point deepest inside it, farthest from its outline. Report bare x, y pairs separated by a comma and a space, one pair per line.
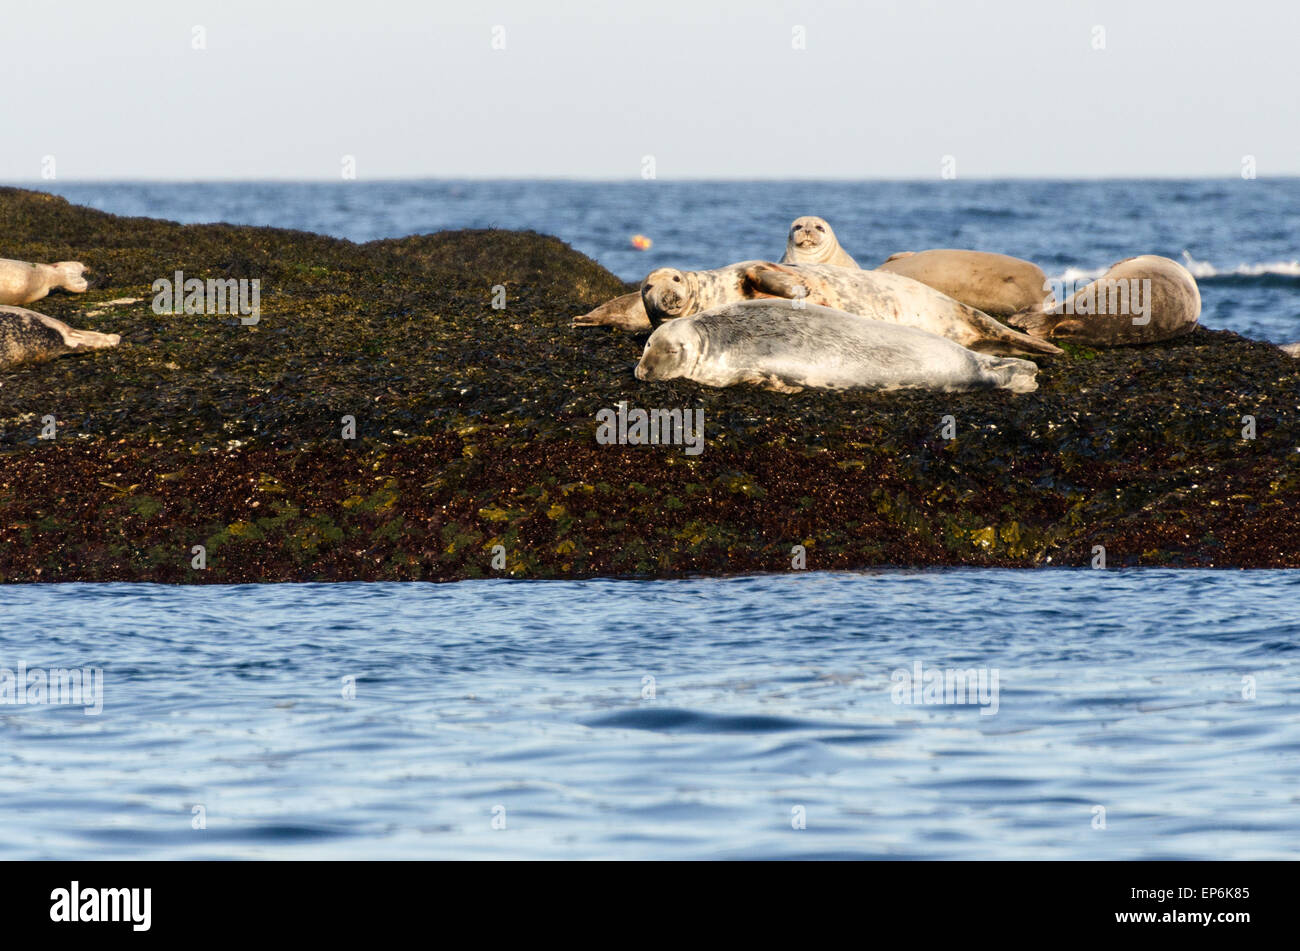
709, 88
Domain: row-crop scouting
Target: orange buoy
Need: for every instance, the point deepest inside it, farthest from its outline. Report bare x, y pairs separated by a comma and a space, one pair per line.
641, 242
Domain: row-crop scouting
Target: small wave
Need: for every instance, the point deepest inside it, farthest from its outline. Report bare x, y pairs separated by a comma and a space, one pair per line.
1201, 270
1073, 275
669, 720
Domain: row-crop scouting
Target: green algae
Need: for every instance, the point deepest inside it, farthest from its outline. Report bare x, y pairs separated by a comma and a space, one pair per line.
476, 428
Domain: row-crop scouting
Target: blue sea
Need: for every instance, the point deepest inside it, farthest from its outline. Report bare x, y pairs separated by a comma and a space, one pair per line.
1135, 714
1132, 714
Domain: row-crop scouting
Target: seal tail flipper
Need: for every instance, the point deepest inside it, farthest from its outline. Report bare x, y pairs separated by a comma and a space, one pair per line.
73, 338
1035, 322
89, 339
1003, 340
626, 312
70, 273
1018, 376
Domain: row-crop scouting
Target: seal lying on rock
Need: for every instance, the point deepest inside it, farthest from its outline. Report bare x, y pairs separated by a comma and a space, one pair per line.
23, 283
787, 348
1291, 349
994, 283
876, 295
626, 313
29, 337
1139, 300
811, 241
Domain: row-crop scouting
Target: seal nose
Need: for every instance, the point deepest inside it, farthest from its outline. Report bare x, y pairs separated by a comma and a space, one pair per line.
639, 372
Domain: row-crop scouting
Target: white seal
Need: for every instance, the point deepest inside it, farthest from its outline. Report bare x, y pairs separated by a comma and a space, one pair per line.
786, 348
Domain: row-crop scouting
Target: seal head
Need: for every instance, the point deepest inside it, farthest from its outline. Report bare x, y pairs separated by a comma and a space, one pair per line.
812, 241
668, 293
673, 350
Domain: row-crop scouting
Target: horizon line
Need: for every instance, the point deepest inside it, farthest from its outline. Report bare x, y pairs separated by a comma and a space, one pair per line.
36, 184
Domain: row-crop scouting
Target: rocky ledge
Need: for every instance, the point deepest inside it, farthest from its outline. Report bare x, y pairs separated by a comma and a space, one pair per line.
475, 450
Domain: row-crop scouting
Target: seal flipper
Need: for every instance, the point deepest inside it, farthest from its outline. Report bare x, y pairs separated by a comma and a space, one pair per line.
626, 312
1001, 339
1035, 322
773, 280
70, 274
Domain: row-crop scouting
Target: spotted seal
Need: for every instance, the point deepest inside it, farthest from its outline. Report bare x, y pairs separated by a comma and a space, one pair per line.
787, 347
877, 295
29, 337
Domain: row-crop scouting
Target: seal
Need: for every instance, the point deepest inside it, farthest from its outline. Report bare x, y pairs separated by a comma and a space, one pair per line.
997, 284
1290, 349
786, 347
876, 295
29, 337
811, 241
1139, 300
23, 283
626, 313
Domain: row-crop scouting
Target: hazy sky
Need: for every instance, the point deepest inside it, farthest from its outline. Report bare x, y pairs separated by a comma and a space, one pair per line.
709, 88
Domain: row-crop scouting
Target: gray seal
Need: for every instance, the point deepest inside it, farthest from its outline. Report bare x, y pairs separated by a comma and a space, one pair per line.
1139, 300
789, 348
877, 295
997, 284
23, 283
29, 337
811, 241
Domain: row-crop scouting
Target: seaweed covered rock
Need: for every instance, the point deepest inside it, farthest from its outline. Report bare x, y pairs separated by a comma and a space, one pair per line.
420, 408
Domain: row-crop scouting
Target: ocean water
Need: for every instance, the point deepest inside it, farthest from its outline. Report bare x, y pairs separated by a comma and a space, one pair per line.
1238, 237
1136, 714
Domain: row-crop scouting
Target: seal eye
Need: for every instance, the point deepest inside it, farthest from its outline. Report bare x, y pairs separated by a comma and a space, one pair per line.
820, 228
677, 280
